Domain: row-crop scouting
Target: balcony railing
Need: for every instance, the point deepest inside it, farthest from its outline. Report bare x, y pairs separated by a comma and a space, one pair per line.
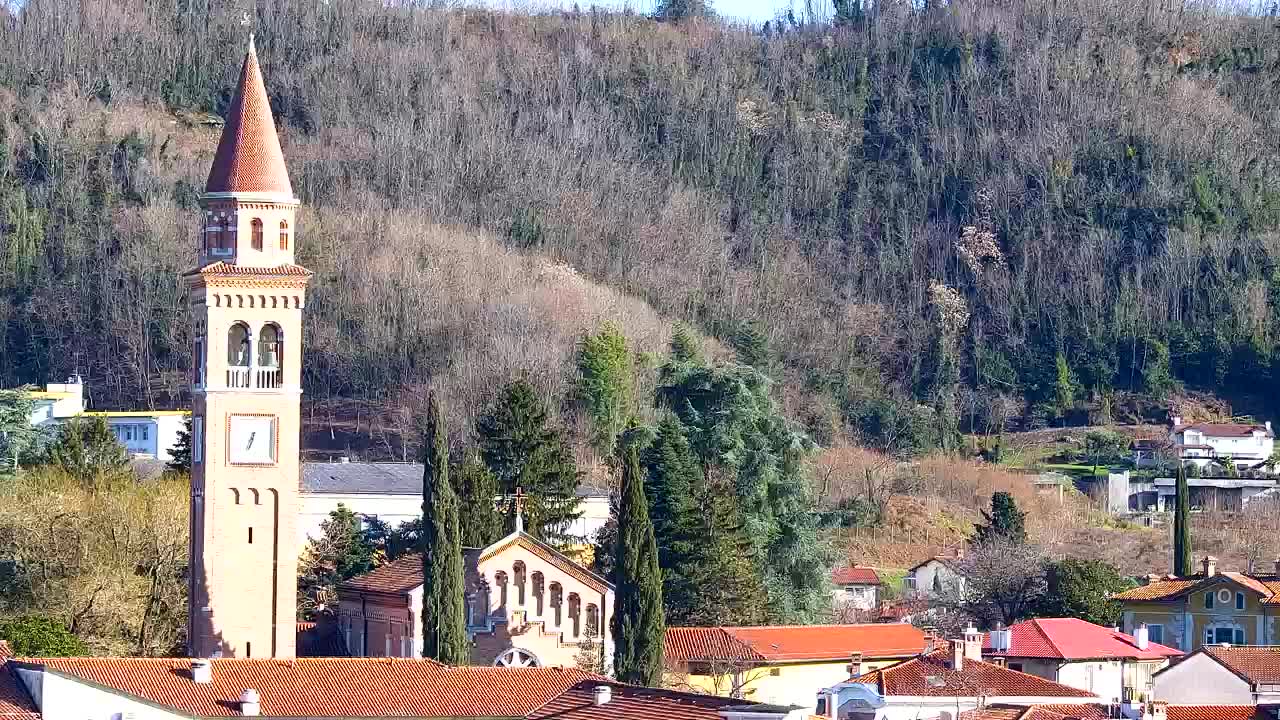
258, 378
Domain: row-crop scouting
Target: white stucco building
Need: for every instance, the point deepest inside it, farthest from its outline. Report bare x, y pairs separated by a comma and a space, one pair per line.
142, 433
1222, 675
1249, 445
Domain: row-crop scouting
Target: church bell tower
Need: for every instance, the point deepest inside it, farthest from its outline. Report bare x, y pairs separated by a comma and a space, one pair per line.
246, 298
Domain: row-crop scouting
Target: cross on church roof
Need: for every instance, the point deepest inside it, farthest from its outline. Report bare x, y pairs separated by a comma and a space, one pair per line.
517, 502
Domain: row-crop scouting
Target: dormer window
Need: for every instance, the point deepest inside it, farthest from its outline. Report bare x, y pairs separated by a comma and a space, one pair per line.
284, 234
257, 233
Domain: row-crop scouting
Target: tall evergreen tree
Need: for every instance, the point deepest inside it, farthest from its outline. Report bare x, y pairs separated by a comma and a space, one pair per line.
523, 451
737, 432
605, 377
1004, 522
1182, 525
180, 453
444, 619
638, 624
480, 521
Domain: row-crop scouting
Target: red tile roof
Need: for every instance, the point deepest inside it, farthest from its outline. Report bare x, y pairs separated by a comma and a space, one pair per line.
1256, 664
692, 644
398, 576
1216, 712
932, 675
831, 642
628, 702
329, 687
1074, 639
15, 703
792, 643
1266, 586
248, 158
1083, 711
855, 576
223, 268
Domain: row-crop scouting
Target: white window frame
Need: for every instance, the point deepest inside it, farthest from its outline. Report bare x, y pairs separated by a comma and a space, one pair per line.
197, 439
1211, 633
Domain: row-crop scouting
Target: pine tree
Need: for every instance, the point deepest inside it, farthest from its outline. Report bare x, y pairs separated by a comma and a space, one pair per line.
444, 623
751, 345
1182, 526
605, 376
180, 453
638, 624
684, 345
523, 451
480, 522
1004, 522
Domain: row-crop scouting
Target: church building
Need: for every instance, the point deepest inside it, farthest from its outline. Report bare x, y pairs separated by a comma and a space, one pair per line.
528, 605
246, 297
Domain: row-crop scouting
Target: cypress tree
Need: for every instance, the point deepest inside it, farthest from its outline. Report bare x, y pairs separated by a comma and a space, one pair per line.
523, 451
1182, 526
638, 623
444, 619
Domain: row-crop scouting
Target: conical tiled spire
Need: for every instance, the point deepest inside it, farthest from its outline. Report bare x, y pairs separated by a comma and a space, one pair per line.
249, 158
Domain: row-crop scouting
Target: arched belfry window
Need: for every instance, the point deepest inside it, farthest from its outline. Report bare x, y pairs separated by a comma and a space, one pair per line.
284, 234
238, 345
257, 233
269, 346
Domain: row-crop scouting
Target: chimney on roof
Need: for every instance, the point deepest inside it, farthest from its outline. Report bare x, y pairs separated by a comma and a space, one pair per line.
855, 664
1209, 565
343, 459
1001, 638
972, 643
1156, 711
250, 703
1176, 420
603, 694
1152, 577
1142, 637
957, 655
202, 671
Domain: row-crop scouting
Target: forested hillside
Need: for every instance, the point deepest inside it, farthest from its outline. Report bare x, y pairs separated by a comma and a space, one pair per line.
919, 219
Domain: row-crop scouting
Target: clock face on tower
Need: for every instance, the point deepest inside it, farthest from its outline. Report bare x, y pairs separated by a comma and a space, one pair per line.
251, 439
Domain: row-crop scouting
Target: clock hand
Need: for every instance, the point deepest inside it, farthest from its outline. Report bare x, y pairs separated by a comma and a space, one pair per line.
252, 435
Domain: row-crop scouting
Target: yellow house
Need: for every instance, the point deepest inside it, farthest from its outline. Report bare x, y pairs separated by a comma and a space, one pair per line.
1207, 608
782, 665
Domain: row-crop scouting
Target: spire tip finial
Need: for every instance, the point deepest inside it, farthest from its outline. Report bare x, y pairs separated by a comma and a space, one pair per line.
252, 47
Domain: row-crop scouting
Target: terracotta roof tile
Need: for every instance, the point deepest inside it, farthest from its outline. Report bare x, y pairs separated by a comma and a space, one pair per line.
398, 576
1159, 589
628, 702
1083, 711
1074, 639
685, 644
1215, 712
831, 642
248, 158
855, 576
352, 687
931, 675
1257, 664
223, 268
1266, 586
15, 703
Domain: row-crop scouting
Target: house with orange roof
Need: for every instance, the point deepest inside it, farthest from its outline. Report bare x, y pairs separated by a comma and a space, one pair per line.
784, 665
1104, 661
1222, 675
943, 682
856, 587
1208, 608
173, 689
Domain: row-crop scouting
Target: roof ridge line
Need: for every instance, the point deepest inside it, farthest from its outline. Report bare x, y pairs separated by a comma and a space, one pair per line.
1045, 635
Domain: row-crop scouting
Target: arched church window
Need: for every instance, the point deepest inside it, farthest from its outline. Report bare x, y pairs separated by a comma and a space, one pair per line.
500, 579
557, 602
538, 592
238, 345
575, 614
198, 361
518, 571
593, 621
257, 233
269, 346
284, 234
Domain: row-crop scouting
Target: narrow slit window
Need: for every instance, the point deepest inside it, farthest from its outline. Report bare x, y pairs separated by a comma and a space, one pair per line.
284, 234
250, 536
257, 234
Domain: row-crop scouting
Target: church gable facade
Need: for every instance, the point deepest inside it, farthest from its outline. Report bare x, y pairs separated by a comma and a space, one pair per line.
527, 605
